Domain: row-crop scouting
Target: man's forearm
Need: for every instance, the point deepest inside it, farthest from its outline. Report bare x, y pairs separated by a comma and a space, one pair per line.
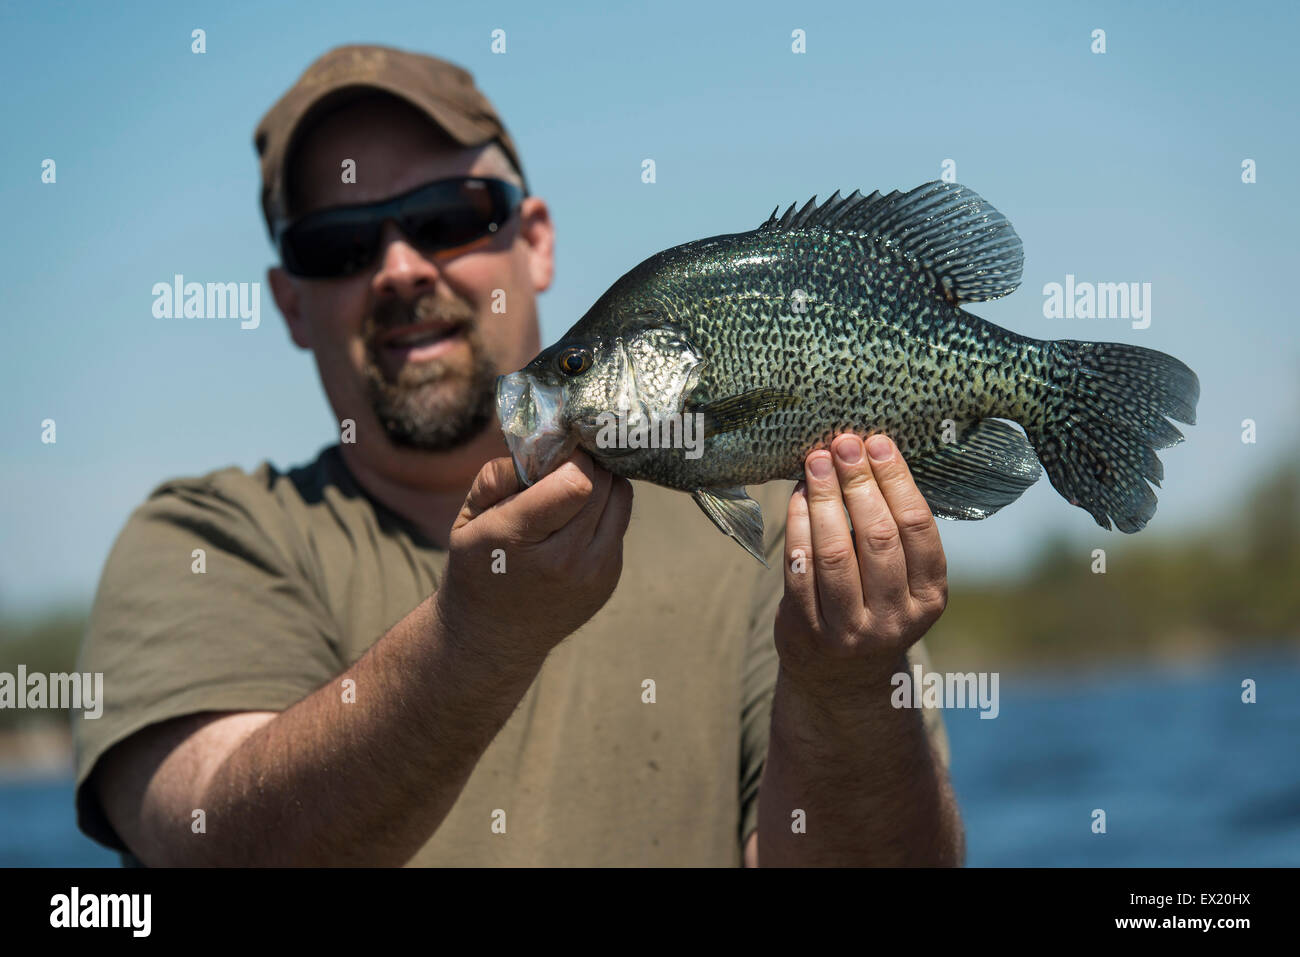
367, 782
872, 790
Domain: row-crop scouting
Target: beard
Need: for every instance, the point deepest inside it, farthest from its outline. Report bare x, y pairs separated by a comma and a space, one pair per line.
442, 403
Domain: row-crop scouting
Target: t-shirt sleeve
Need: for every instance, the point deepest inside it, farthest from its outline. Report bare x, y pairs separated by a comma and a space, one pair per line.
198, 609
759, 679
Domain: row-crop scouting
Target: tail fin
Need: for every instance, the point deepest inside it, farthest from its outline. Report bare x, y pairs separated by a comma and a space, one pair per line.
1104, 420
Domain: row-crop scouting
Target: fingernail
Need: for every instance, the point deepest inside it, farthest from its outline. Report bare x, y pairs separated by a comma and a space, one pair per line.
880, 448
820, 466
849, 450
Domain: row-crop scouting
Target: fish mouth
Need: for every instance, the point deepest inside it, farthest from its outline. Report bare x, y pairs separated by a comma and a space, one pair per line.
530, 414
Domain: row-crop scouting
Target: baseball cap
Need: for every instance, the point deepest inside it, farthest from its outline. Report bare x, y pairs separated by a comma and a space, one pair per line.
441, 90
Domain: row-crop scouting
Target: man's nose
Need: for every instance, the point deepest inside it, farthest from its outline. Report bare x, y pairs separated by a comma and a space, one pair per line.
402, 271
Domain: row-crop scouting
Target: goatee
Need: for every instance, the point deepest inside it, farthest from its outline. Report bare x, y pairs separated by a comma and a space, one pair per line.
442, 403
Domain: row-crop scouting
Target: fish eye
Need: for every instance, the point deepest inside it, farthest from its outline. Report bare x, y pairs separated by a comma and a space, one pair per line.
574, 361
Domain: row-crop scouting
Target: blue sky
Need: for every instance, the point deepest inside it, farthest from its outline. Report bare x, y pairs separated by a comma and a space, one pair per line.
1123, 167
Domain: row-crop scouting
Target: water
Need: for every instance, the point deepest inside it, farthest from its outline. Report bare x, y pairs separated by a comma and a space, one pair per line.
38, 827
1186, 773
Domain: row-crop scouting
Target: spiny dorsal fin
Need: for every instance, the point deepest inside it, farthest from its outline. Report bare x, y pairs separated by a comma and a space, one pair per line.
967, 246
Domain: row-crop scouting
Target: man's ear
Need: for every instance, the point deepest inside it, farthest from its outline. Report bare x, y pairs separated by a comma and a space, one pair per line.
536, 229
286, 300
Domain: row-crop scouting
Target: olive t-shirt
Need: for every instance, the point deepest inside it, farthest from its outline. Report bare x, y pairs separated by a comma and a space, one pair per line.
641, 742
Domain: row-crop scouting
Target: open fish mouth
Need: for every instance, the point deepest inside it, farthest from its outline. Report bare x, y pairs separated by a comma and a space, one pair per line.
530, 414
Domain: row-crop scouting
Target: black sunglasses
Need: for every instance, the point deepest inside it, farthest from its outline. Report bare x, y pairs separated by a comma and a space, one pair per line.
440, 215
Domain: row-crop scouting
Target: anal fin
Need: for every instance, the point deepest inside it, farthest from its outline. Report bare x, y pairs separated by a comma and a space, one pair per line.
991, 466
735, 514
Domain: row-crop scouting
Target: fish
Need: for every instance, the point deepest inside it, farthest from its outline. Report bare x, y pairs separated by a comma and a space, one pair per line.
725, 361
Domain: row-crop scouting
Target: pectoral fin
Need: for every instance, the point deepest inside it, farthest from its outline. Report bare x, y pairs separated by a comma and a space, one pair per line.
737, 411
736, 515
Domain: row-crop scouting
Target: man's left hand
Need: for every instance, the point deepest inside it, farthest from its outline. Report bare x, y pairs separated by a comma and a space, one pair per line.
856, 600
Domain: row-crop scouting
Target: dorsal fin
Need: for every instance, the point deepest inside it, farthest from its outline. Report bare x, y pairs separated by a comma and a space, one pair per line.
968, 247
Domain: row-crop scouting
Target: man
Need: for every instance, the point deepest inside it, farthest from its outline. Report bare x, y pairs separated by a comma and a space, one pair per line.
398, 655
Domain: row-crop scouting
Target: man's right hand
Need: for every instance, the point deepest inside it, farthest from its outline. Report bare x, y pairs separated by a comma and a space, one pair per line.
278, 786
562, 544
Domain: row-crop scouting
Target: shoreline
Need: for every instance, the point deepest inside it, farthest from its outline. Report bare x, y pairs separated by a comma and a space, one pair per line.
35, 752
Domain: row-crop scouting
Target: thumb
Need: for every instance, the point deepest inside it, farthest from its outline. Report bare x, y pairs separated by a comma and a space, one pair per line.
495, 482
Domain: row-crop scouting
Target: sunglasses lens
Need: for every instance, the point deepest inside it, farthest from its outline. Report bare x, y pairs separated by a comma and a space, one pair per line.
472, 212
336, 244
441, 215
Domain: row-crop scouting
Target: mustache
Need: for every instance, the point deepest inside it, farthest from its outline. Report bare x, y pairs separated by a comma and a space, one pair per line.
394, 313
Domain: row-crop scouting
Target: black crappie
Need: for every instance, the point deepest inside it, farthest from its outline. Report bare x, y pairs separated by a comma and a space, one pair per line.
847, 317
